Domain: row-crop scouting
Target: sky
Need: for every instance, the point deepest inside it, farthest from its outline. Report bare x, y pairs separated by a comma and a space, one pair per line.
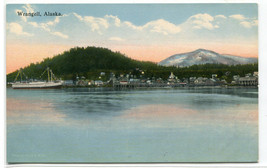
148, 32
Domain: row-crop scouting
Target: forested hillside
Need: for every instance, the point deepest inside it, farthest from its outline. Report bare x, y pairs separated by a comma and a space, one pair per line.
90, 61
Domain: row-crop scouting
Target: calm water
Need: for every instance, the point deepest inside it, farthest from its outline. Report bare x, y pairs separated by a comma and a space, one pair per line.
156, 125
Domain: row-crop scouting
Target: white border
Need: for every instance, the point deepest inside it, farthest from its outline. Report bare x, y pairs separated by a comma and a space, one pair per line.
263, 83
127, 1
262, 89
2, 85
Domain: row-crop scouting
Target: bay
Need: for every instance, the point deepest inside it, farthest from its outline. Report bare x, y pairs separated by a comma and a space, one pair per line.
103, 125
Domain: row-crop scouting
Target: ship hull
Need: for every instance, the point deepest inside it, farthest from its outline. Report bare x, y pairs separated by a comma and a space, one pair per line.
38, 85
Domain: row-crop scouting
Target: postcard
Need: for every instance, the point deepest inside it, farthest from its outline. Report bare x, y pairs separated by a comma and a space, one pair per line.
132, 83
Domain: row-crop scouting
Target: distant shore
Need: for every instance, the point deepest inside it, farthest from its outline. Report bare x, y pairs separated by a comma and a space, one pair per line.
165, 87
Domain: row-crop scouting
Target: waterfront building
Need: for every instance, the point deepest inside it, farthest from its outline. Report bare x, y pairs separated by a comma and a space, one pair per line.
123, 82
68, 83
82, 83
214, 76
172, 76
256, 74
200, 81
209, 82
91, 82
248, 81
98, 83
192, 80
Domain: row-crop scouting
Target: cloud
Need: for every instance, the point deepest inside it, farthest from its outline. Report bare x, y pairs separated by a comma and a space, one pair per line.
162, 26
28, 8
99, 25
78, 16
116, 39
246, 24
48, 28
244, 21
206, 21
114, 19
17, 29
59, 34
24, 19
249, 24
199, 26
220, 17
237, 17
34, 24
95, 23
131, 25
51, 23
255, 22
202, 21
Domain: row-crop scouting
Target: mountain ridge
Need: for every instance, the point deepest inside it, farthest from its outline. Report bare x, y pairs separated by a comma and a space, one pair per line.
204, 56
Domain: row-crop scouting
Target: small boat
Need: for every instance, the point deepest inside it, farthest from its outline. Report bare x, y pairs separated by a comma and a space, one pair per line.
38, 84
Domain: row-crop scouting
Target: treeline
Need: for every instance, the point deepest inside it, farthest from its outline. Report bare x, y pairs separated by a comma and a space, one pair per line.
223, 71
90, 61
83, 62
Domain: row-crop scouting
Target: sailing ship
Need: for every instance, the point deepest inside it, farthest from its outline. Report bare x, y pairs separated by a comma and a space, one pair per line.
51, 83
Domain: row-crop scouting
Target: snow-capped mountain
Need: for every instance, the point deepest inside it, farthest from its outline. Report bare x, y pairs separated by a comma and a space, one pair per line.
202, 56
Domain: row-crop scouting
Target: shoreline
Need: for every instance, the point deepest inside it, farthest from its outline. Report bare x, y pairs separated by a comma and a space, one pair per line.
152, 87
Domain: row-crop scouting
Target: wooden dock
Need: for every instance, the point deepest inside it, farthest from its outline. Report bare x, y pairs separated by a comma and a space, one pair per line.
146, 85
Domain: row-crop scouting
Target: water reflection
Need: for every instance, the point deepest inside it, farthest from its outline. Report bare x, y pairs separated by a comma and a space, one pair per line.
158, 111
181, 116
242, 92
21, 111
81, 106
153, 125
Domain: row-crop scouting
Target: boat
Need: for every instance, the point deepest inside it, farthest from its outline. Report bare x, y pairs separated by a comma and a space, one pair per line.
51, 83
36, 85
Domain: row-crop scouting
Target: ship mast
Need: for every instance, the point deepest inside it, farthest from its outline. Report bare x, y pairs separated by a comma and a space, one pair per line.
47, 74
20, 73
49, 78
51, 75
